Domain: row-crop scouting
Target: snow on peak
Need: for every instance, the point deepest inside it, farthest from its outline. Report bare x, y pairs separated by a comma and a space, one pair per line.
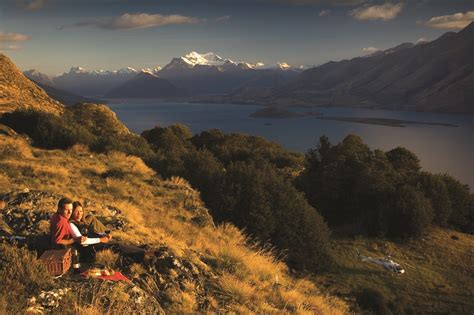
77, 70
151, 70
208, 59
127, 70
283, 65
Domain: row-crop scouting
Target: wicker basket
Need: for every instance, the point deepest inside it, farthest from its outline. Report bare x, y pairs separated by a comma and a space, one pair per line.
57, 262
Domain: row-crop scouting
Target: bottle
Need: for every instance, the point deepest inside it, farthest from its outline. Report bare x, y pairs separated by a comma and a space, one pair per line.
76, 265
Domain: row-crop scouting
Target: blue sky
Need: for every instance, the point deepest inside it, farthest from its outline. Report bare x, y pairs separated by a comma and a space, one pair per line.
54, 35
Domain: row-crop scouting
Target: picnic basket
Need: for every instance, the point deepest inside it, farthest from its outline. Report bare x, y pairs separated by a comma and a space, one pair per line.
57, 261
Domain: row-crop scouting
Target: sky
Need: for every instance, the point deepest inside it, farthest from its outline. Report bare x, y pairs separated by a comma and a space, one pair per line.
52, 36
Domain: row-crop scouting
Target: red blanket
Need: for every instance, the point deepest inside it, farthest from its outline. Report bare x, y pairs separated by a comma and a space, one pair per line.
117, 276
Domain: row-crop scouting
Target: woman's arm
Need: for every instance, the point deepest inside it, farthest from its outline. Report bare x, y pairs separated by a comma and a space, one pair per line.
77, 234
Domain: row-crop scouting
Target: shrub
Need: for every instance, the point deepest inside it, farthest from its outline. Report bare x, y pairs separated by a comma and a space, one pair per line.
372, 300
257, 198
47, 130
21, 276
434, 189
408, 213
383, 193
461, 201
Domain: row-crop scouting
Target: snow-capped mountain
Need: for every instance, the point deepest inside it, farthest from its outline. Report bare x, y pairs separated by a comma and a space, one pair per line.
97, 82
210, 59
283, 66
39, 77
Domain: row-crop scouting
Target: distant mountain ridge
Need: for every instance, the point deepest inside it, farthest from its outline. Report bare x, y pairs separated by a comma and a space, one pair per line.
145, 85
65, 97
195, 73
434, 76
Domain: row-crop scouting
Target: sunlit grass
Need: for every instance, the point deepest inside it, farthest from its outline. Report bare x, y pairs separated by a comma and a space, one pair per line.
159, 213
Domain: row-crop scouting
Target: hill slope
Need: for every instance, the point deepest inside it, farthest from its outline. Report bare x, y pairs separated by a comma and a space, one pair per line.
435, 76
65, 97
18, 92
439, 271
145, 85
200, 267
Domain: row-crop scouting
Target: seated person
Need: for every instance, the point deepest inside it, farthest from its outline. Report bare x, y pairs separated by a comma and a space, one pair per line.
60, 230
97, 233
89, 240
89, 225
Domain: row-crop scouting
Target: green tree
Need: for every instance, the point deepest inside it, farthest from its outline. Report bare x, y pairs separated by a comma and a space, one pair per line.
256, 197
460, 201
434, 189
407, 213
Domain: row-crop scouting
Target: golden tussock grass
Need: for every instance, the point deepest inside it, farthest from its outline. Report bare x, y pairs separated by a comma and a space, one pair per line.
238, 290
15, 148
156, 214
129, 164
107, 257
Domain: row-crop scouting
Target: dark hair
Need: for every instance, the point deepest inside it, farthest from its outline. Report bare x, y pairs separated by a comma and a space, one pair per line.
76, 204
63, 201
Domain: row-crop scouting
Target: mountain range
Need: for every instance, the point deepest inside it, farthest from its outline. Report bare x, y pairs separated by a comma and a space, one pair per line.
429, 76
434, 76
191, 74
145, 85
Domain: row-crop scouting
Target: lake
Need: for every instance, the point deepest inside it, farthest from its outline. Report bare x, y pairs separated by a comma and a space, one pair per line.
441, 149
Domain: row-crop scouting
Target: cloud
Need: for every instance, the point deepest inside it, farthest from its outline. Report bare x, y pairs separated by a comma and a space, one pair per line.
32, 5
222, 18
36, 5
451, 22
13, 37
10, 47
139, 20
370, 50
385, 12
314, 2
324, 12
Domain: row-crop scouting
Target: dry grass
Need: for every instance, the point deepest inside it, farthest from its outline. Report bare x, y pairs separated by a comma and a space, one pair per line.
438, 278
157, 215
108, 258
238, 290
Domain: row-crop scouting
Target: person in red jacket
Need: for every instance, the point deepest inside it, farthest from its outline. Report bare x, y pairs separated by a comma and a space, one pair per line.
61, 234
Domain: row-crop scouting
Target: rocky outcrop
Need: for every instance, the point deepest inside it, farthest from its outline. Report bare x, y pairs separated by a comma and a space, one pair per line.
24, 219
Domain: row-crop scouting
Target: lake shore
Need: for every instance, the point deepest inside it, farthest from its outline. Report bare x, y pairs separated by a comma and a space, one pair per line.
384, 121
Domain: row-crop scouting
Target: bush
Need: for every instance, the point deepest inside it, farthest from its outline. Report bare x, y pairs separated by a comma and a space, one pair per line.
407, 213
228, 148
372, 300
21, 276
128, 143
461, 201
171, 147
434, 189
257, 198
382, 193
47, 130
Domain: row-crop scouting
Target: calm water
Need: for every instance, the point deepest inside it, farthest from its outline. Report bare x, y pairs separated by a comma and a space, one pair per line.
440, 149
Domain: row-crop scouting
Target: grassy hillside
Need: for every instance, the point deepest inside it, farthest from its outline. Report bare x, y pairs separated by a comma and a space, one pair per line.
238, 276
439, 271
18, 92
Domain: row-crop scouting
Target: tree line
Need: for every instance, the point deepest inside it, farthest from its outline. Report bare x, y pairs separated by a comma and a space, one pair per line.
288, 199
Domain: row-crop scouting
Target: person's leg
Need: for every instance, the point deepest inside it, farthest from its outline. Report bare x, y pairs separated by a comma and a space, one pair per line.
95, 227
